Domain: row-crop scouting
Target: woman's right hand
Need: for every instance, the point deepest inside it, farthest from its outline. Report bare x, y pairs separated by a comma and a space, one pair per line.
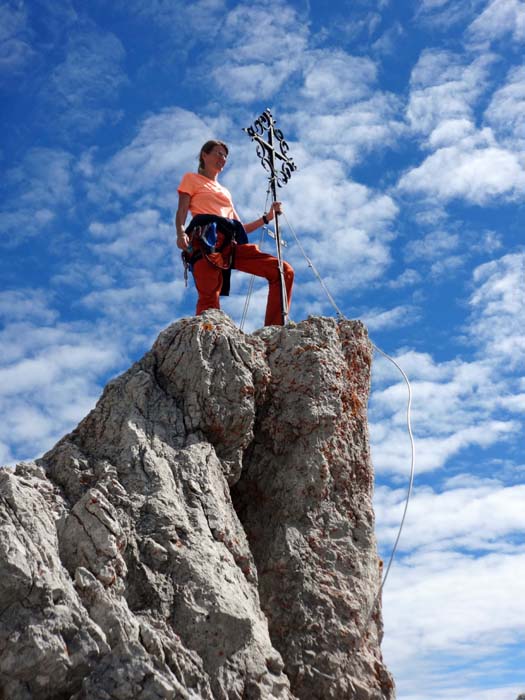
183, 241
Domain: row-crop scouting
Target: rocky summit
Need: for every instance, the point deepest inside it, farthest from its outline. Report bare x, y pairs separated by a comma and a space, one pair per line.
206, 531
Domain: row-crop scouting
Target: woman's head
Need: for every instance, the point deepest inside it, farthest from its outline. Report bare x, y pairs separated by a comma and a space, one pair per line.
208, 148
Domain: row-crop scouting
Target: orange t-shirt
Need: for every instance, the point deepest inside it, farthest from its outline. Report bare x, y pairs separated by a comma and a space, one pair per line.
207, 196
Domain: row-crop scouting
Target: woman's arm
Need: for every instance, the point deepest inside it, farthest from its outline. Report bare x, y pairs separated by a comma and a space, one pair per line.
253, 225
180, 219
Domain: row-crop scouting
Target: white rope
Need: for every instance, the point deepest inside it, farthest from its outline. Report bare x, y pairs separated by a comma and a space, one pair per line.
250, 290
409, 427
252, 277
314, 269
364, 628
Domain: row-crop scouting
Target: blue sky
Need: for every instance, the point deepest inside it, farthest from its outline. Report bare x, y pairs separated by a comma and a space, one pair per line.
407, 123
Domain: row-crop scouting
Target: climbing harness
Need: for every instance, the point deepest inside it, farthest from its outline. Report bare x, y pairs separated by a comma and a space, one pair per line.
213, 238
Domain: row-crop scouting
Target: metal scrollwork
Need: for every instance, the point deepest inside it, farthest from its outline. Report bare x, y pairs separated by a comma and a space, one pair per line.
274, 159
273, 152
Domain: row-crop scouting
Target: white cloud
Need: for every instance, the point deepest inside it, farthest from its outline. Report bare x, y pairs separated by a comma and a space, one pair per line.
449, 132
469, 514
444, 88
453, 409
16, 53
195, 20
388, 42
453, 599
155, 301
498, 309
500, 19
335, 78
36, 191
447, 606
345, 227
261, 46
407, 278
81, 89
378, 319
432, 245
151, 166
506, 111
131, 236
476, 169
457, 404
26, 304
352, 130
444, 14
50, 377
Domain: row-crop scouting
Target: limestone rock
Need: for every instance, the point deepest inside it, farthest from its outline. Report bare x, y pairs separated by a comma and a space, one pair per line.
205, 532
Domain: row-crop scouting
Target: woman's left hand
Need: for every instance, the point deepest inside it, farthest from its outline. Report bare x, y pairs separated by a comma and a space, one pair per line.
276, 208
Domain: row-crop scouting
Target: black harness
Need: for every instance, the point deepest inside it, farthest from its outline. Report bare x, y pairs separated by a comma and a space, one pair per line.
203, 233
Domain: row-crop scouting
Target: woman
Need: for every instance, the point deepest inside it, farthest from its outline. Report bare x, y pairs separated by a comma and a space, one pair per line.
211, 203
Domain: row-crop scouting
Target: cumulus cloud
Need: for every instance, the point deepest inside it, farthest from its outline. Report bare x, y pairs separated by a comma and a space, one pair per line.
500, 19
194, 21
458, 404
346, 232
506, 111
453, 409
353, 130
444, 14
379, 319
432, 245
150, 166
479, 515
50, 377
481, 614
476, 169
16, 52
130, 236
445, 88
335, 77
35, 192
497, 322
129, 306
407, 278
82, 88
460, 553
26, 304
261, 47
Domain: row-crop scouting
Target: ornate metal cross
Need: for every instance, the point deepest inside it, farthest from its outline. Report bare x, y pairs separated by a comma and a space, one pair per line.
272, 152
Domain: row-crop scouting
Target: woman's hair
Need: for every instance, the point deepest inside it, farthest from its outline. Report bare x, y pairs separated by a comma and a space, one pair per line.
208, 148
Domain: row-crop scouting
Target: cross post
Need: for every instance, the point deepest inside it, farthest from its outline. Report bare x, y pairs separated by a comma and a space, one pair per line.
270, 152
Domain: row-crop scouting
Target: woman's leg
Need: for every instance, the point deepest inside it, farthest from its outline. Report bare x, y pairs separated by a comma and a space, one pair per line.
248, 258
208, 280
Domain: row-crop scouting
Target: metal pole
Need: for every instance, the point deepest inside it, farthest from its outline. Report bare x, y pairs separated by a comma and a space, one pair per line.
284, 296
266, 150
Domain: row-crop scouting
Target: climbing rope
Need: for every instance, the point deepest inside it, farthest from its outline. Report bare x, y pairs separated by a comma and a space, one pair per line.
250, 289
341, 316
252, 277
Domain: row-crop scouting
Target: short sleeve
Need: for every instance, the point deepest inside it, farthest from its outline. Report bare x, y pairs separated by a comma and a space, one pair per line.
187, 184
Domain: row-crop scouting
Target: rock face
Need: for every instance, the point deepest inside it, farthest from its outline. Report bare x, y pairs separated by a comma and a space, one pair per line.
205, 532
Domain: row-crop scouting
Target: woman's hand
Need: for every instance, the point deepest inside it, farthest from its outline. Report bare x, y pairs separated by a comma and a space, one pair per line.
183, 241
276, 208
180, 218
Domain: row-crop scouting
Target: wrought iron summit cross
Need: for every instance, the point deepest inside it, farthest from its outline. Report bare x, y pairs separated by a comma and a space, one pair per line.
270, 152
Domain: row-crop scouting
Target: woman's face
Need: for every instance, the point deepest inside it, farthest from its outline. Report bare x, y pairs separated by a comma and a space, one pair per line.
215, 160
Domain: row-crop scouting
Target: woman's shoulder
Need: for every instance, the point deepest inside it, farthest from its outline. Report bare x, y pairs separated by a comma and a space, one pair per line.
189, 180
190, 176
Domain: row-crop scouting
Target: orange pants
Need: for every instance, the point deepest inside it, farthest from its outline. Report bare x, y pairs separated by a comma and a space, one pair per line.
248, 258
